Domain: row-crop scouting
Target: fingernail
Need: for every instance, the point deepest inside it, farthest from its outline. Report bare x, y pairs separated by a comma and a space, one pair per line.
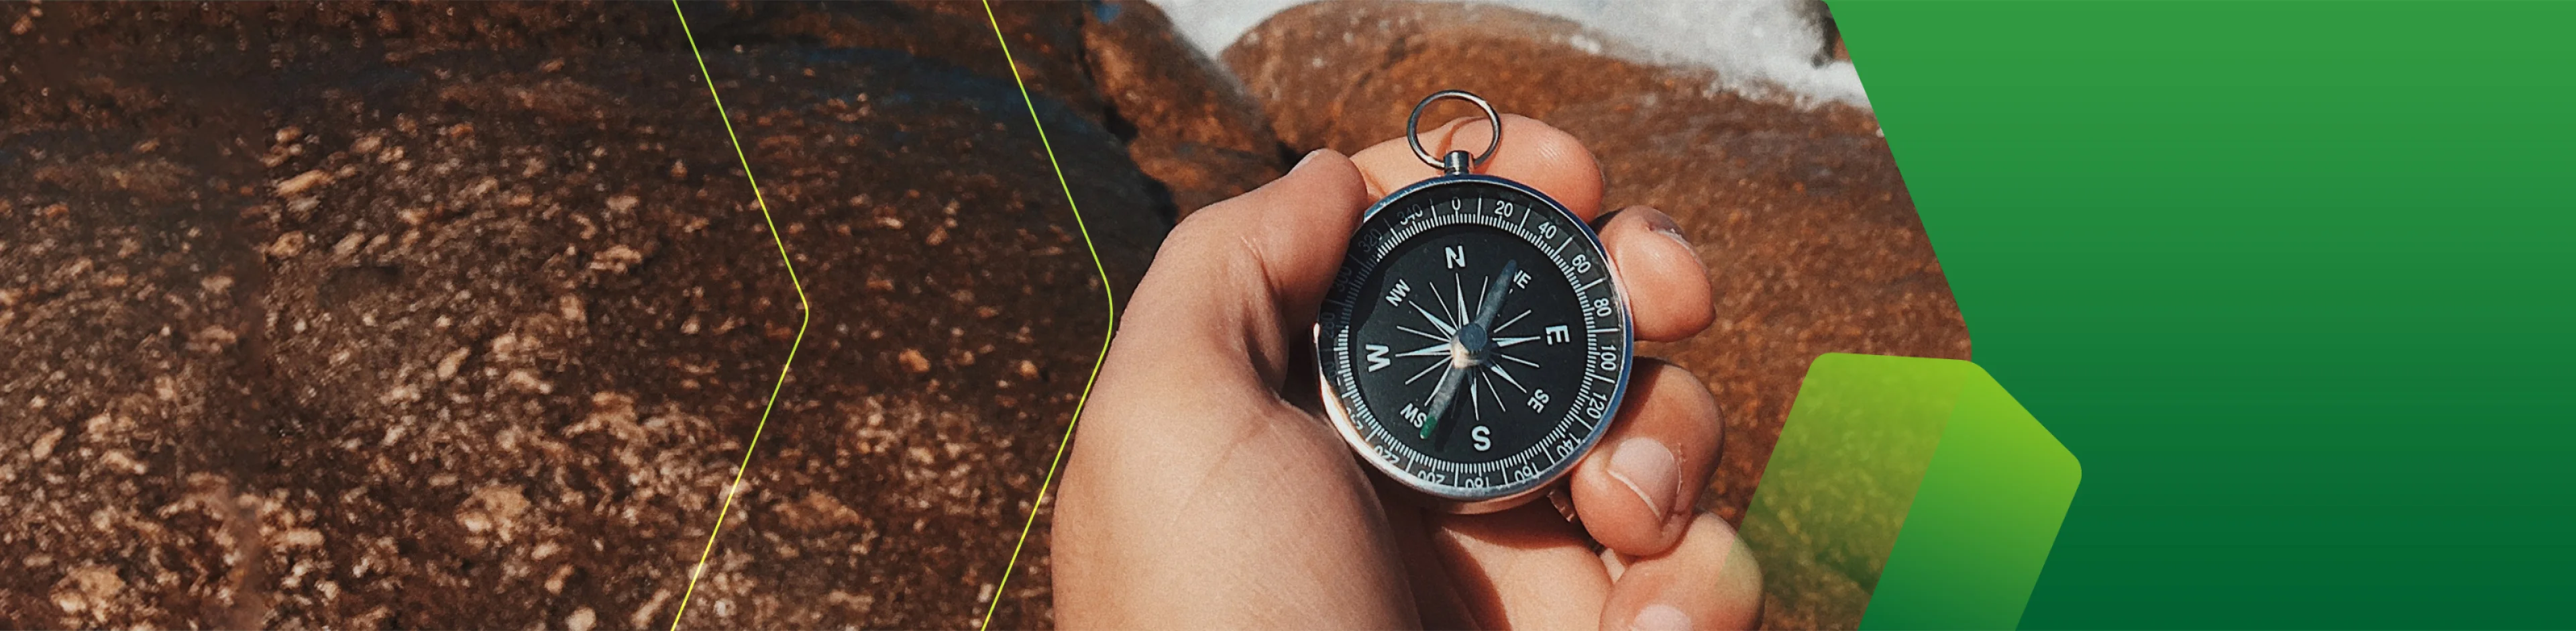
1660, 618
1310, 157
1649, 470
1663, 224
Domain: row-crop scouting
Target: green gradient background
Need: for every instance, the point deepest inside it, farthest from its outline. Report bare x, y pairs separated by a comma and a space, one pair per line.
1918, 477
2293, 280
1981, 526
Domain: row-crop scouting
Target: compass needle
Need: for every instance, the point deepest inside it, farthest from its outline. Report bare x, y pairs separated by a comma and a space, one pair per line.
1481, 291
1536, 402
1493, 303
1442, 397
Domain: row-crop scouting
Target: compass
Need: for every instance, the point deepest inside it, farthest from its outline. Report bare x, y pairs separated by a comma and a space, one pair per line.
1475, 343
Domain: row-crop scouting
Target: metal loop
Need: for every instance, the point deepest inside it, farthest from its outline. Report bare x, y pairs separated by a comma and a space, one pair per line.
1413, 124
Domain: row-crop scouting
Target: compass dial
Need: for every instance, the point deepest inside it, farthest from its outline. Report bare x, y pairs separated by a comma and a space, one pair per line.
1474, 345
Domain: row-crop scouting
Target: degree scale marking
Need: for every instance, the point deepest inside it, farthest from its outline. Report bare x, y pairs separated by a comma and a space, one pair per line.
1401, 226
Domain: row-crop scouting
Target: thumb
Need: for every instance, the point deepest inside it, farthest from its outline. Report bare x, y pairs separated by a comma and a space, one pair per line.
1174, 490
1243, 278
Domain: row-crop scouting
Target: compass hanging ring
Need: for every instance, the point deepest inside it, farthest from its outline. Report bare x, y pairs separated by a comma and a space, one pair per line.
1456, 162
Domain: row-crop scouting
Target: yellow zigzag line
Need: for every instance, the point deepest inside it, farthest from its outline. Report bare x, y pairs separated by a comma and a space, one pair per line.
805, 316
1105, 294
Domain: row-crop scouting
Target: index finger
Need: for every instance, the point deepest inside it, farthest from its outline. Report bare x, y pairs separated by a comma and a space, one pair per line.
1533, 153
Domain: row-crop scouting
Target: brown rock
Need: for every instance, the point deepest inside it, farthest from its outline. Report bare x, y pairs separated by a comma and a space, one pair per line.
1190, 125
1799, 212
121, 396
293, 186
502, 345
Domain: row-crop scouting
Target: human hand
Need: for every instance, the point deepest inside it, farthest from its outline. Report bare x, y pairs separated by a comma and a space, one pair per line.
1206, 489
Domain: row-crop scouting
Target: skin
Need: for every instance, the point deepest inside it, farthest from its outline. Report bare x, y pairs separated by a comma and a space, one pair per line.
1207, 489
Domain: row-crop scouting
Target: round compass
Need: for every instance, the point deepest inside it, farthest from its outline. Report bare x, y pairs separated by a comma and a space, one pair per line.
1474, 345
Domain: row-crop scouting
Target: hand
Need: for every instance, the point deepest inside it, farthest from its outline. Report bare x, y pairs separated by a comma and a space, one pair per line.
1206, 490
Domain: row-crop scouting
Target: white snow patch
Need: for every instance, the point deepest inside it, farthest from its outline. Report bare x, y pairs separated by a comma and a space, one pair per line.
1585, 44
1756, 47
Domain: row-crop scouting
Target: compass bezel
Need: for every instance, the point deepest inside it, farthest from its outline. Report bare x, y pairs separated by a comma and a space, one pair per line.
1443, 494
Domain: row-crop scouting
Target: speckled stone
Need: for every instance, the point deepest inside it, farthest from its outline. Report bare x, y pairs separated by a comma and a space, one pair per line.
321, 315
1190, 125
433, 315
1808, 232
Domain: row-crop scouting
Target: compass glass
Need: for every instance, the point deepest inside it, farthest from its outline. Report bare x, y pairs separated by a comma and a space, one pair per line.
1474, 344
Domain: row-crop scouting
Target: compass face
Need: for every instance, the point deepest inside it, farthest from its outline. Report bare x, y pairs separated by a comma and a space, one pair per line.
1474, 345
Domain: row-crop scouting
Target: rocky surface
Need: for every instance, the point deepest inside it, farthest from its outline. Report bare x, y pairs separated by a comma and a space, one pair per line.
460, 315
1191, 127
1798, 211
